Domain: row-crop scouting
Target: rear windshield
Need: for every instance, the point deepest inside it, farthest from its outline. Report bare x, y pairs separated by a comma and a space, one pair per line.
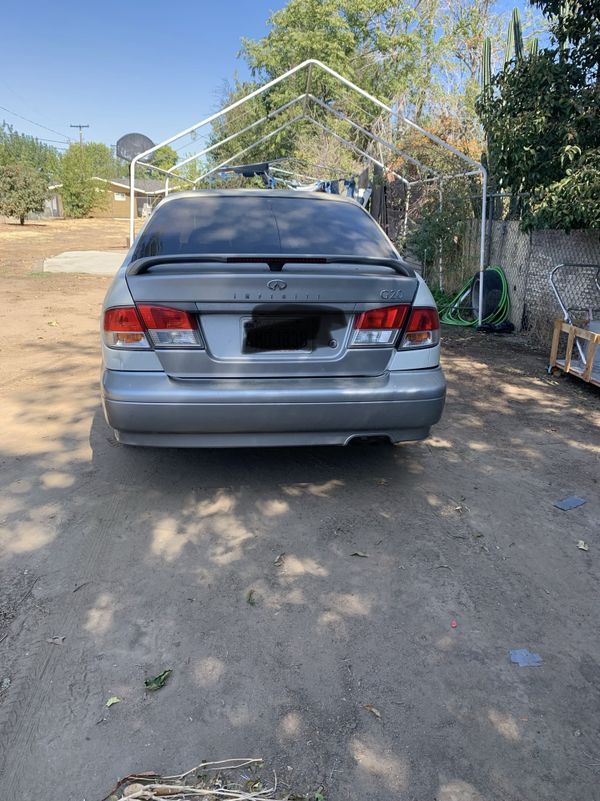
261, 224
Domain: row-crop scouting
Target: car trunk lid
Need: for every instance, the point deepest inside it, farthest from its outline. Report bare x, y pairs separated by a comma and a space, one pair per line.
266, 316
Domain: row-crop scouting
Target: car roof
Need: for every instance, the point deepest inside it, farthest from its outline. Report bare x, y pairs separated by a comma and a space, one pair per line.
273, 193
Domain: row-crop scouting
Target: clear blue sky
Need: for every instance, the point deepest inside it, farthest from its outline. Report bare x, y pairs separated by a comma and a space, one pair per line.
123, 65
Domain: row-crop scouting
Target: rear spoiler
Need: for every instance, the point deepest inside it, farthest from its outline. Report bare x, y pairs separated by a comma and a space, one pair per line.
275, 262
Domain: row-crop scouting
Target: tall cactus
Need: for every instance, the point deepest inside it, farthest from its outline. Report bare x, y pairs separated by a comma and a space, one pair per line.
515, 48
486, 65
514, 38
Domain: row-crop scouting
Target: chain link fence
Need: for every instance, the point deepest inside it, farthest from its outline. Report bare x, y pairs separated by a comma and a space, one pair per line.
528, 259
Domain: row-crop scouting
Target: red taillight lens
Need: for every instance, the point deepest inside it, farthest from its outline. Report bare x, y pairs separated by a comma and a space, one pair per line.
388, 317
423, 319
423, 329
170, 328
378, 327
165, 318
122, 318
123, 328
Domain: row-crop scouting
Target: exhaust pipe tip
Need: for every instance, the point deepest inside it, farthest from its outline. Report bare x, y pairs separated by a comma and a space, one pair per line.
369, 439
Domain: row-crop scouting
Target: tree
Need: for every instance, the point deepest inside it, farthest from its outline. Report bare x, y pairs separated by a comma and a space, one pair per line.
22, 189
99, 159
420, 56
302, 29
325, 157
389, 48
575, 25
164, 158
469, 26
542, 117
79, 167
16, 148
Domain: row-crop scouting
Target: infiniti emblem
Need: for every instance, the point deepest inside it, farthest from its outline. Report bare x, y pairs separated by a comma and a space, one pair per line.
277, 285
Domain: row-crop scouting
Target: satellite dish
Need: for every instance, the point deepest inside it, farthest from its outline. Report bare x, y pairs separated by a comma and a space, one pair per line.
132, 144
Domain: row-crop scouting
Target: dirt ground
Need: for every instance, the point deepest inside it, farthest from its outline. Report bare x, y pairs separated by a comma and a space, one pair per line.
24, 248
139, 560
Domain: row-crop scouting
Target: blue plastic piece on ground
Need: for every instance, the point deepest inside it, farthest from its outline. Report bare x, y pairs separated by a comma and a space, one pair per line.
524, 658
572, 502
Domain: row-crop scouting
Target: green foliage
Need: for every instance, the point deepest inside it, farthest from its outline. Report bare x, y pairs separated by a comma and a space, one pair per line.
420, 55
239, 119
324, 155
541, 115
164, 158
159, 681
528, 117
302, 29
575, 25
573, 201
439, 233
391, 49
22, 189
79, 166
16, 148
99, 158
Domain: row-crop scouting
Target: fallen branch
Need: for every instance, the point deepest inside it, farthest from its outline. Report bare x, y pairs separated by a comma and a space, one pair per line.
244, 762
194, 784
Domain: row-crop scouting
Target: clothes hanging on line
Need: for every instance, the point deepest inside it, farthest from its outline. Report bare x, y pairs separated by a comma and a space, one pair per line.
332, 187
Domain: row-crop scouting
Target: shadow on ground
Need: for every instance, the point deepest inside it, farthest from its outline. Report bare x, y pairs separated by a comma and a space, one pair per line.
146, 559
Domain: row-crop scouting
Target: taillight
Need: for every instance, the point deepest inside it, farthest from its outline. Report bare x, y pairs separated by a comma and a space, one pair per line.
170, 328
378, 326
423, 329
123, 328
143, 326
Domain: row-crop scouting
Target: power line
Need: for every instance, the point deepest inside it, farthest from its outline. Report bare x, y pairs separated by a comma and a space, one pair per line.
38, 124
55, 141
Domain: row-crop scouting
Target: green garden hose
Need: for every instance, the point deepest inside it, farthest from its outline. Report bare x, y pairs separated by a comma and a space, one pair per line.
462, 311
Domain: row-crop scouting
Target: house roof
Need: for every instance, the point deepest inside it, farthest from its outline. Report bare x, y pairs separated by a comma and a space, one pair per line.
148, 186
144, 186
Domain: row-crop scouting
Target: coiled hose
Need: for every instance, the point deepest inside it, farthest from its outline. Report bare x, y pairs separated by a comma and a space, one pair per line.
462, 310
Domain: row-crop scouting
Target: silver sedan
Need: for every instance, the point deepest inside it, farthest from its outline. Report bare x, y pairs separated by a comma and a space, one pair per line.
255, 317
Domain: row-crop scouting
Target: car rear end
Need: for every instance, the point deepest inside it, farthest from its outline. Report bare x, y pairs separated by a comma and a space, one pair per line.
268, 318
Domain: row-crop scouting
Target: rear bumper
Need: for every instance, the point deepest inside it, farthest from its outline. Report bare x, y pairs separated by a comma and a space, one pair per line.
149, 408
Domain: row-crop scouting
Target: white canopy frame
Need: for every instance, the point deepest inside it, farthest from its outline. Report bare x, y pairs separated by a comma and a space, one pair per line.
306, 97
475, 168
286, 124
281, 109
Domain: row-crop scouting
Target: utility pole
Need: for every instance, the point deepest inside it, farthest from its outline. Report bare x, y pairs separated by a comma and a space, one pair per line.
81, 127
